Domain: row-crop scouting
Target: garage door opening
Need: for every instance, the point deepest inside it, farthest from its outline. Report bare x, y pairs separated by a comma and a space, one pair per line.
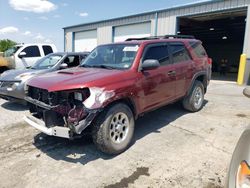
222, 35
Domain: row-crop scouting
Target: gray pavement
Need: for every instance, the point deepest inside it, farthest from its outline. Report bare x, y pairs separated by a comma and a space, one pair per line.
171, 148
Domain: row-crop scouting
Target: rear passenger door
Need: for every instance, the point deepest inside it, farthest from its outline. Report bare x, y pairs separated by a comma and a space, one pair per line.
183, 66
158, 84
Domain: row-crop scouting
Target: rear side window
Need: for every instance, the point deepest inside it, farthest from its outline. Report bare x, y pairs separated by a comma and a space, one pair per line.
179, 52
159, 53
32, 51
198, 49
47, 50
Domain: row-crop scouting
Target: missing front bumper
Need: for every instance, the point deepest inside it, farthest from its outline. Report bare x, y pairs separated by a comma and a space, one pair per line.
57, 131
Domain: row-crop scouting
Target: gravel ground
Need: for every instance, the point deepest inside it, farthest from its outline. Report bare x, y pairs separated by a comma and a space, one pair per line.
171, 148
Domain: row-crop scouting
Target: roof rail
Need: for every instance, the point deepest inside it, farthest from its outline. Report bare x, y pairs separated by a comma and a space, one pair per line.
143, 38
179, 36
163, 37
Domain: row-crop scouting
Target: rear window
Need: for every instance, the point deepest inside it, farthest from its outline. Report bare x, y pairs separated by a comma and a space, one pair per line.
47, 50
198, 49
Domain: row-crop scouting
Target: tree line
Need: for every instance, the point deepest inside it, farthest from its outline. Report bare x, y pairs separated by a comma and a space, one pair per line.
5, 44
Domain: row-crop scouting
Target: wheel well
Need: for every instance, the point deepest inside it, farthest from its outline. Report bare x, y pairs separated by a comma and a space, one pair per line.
128, 102
203, 80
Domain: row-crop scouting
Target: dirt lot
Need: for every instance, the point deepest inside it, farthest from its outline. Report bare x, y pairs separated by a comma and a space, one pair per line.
171, 148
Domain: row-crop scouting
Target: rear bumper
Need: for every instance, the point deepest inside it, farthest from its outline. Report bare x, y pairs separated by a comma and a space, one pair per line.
57, 131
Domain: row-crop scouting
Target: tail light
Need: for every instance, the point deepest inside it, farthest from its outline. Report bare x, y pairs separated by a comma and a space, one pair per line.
210, 61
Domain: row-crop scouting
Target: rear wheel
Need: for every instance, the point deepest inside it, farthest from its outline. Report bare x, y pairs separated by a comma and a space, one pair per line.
113, 131
194, 101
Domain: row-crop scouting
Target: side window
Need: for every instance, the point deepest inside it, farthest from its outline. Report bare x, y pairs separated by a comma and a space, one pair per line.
158, 52
72, 61
47, 50
198, 49
179, 52
32, 51
82, 57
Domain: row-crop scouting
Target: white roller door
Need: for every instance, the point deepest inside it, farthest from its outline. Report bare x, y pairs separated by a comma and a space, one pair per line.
121, 33
85, 40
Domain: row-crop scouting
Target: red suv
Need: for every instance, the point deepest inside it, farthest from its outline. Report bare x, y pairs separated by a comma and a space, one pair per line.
117, 83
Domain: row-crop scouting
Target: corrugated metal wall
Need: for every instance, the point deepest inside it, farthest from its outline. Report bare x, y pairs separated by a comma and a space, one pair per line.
167, 19
247, 34
68, 41
162, 22
104, 34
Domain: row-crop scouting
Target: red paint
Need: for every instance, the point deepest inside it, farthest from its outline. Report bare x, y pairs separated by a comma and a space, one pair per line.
147, 89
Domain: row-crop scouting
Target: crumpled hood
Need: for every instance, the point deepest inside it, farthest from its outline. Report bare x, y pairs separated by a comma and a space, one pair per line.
73, 78
11, 75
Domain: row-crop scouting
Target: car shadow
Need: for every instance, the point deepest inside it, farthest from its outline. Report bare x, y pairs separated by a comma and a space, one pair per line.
82, 150
14, 106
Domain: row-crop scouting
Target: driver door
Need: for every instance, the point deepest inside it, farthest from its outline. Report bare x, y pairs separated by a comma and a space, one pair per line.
158, 85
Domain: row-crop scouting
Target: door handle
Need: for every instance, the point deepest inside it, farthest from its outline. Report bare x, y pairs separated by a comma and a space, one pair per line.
171, 73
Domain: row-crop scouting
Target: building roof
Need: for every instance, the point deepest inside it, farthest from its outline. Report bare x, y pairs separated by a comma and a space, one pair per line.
201, 2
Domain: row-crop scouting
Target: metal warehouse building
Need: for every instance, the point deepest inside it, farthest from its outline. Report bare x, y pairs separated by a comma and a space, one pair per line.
222, 25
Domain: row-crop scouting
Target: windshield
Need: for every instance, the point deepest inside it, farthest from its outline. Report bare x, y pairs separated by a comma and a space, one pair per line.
112, 56
47, 62
11, 51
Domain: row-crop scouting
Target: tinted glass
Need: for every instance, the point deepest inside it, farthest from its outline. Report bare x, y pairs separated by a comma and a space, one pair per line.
159, 53
179, 52
198, 49
72, 61
11, 51
47, 62
47, 50
113, 56
32, 51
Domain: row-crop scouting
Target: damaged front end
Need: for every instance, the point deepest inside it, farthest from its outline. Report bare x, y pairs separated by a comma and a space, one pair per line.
65, 113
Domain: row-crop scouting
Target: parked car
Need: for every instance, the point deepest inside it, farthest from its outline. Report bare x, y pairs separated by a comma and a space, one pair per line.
239, 170
25, 55
116, 84
12, 82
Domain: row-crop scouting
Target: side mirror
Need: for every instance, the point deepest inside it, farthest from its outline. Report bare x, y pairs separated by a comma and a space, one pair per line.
150, 64
63, 66
22, 54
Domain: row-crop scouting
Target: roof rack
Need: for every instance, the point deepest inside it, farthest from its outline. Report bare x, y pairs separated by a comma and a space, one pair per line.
163, 37
179, 36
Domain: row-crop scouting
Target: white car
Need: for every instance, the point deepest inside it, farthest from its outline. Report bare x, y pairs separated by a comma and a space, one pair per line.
25, 55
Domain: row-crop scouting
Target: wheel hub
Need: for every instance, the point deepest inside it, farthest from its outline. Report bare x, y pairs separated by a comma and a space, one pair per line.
198, 97
119, 127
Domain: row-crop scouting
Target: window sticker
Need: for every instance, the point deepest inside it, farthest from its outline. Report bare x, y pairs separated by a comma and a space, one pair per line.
131, 48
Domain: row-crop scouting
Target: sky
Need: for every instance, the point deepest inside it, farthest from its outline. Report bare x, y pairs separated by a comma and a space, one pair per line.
31, 21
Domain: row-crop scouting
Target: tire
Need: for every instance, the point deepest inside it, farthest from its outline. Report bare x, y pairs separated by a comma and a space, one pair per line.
194, 101
2, 69
113, 130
